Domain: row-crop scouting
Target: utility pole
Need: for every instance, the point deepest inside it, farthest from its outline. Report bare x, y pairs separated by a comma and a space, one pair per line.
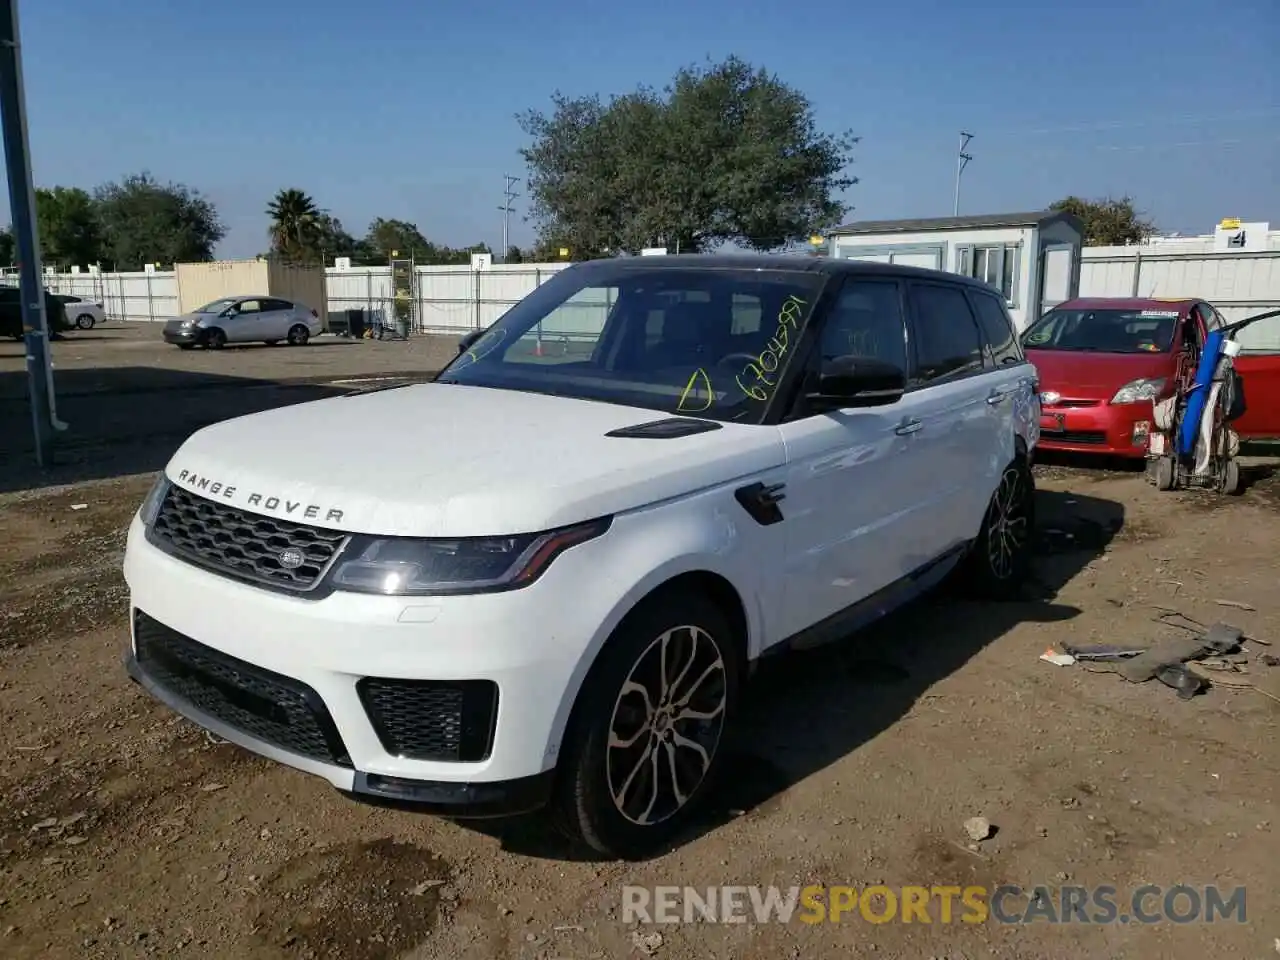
17, 156
508, 194
962, 161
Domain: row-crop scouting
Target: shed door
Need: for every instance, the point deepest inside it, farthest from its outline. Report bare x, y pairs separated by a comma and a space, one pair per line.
1056, 277
927, 259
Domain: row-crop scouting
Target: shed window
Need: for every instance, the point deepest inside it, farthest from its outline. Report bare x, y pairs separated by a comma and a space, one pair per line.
996, 264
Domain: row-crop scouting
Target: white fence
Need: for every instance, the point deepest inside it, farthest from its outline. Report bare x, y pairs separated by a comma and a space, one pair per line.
447, 299
453, 299
1238, 284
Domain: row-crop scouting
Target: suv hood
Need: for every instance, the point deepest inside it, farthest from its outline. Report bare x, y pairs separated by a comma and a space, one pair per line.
1084, 375
442, 460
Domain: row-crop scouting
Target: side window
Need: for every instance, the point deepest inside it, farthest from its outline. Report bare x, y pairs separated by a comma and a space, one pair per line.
997, 328
249, 306
273, 305
946, 337
866, 321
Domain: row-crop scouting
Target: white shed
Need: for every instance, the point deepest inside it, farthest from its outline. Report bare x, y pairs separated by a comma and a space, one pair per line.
1032, 258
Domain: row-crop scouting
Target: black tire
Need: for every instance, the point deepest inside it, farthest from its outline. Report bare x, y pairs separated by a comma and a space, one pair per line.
999, 562
1231, 484
298, 335
85, 321
591, 772
215, 339
1165, 473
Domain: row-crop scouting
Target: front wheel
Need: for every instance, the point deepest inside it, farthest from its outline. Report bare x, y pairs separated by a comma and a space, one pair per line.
646, 742
215, 339
1001, 556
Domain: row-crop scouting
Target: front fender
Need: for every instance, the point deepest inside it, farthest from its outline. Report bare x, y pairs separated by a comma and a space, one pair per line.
709, 533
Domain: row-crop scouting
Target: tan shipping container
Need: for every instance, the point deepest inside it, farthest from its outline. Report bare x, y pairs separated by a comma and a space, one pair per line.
201, 283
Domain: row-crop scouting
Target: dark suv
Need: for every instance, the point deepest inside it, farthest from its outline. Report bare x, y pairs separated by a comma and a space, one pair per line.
11, 313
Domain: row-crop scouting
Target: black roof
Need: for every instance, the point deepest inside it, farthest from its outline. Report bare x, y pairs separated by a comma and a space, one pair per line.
1037, 218
795, 263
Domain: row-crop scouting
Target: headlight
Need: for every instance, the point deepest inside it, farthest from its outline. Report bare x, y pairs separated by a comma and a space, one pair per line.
1139, 390
408, 567
155, 496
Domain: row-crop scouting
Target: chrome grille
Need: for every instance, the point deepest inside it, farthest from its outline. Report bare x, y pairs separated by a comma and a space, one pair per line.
243, 545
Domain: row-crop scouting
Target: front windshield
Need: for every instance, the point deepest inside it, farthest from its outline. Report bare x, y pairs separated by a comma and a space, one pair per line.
216, 307
1103, 331
707, 342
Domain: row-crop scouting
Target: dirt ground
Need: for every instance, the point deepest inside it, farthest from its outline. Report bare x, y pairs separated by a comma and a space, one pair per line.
126, 832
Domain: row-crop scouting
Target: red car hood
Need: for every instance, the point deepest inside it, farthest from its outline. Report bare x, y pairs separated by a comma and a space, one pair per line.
1083, 375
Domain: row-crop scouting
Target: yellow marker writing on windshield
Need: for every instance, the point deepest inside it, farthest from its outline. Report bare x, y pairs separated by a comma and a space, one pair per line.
697, 380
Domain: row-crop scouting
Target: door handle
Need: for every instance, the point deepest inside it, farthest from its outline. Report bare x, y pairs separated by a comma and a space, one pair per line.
908, 426
998, 396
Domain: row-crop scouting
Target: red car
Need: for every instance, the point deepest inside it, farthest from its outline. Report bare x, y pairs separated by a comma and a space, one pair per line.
1103, 361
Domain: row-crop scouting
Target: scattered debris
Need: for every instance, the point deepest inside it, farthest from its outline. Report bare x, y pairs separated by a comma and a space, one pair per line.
79, 506
1057, 659
978, 828
646, 943
211, 787
1239, 605
1103, 651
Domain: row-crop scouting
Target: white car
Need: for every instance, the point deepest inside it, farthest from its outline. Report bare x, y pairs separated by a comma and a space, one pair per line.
250, 319
81, 314
544, 578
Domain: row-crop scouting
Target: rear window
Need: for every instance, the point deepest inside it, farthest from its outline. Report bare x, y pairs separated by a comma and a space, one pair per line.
1115, 330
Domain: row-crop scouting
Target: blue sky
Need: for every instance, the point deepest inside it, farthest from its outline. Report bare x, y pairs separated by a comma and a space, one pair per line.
400, 109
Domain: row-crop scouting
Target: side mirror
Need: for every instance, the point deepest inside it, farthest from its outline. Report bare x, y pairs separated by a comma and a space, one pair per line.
469, 339
854, 381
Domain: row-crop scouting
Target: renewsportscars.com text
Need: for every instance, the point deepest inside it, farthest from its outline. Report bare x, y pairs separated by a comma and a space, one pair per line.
1006, 904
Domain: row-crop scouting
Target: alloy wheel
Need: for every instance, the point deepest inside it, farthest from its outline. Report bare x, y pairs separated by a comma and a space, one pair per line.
1009, 528
666, 725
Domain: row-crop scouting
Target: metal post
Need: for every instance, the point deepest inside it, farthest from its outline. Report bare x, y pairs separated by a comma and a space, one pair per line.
962, 161
17, 155
507, 196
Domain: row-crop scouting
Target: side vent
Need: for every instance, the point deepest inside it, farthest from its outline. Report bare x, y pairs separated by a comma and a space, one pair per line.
668, 428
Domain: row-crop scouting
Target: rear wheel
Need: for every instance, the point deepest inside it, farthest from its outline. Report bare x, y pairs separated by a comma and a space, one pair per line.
1165, 473
645, 744
215, 339
85, 321
298, 335
1000, 559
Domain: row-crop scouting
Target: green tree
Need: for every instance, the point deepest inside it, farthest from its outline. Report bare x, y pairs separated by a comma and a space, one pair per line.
514, 255
67, 221
8, 248
296, 224
1108, 222
727, 152
398, 238
145, 221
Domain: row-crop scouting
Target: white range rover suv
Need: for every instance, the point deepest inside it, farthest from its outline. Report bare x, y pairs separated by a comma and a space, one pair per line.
543, 578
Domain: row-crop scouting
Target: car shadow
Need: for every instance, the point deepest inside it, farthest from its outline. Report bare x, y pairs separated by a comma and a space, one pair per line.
129, 420
806, 711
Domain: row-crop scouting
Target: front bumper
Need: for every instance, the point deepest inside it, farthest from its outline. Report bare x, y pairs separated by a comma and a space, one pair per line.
1101, 428
290, 679
463, 800
182, 336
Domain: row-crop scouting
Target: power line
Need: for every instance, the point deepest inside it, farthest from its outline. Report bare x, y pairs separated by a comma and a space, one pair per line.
1105, 125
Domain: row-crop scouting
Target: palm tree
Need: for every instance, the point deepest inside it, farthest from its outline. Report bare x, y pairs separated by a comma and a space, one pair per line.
294, 221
